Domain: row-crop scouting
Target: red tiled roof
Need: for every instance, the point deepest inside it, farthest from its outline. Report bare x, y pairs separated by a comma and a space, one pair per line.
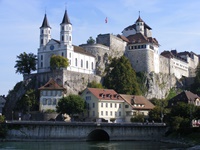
51, 85
123, 38
140, 38
138, 100
105, 94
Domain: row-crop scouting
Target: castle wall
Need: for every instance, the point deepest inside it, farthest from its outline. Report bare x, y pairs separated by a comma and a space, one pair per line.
164, 65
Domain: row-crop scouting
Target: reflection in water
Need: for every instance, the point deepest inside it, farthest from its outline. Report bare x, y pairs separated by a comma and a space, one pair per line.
117, 145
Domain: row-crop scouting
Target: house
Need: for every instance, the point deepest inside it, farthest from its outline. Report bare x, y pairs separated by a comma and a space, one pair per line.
2, 103
103, 104
50, 93
186, 97
135, 105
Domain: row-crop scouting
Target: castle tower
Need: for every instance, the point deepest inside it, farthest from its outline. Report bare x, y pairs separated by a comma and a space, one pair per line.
45, 32
66, 31
142, 49
139, 26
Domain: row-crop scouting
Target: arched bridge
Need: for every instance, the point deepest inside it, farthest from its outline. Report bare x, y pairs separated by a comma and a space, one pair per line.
35, 130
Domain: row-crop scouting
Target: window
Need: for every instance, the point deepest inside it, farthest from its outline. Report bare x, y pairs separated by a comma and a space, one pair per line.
87, 64
62, 38
88, 98
44, 101
62, 54
115, 105
41, 41
106, 113
41, 64
81, 63
41, 31
70, 38
54, 102
76, 62
120, 113
126, 106
110, 105
69, 55
101, 104
93, 113
110, 113
49, 101
41, 57
106, 104
115, 113
102, 113
62, 27
119, 105
93, 105
92, 65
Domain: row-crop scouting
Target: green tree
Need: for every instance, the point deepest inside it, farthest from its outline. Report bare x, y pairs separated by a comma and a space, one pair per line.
195, 87
156, 114
90, 40
181, 115
94, 84
25, 63
28, 102
121, 77
72, 104
58, 62
138, 118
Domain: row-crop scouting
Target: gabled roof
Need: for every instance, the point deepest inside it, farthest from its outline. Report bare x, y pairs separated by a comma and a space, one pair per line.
45, 23
51, 85
105, 94
123, 38
66, 19
140, 38
137, 102
185, 96
78, 49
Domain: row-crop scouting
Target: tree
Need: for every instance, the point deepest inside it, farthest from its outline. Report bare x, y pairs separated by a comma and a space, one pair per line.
121, 77
94, 84
58, 62
90, 41
26, 63
28, 102
72, 104
195, 87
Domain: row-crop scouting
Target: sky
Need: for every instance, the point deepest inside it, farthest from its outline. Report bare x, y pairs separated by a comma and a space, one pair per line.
175, 24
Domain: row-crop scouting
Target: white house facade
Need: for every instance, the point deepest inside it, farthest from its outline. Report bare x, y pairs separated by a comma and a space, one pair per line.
103, 104
79, 60
50, 93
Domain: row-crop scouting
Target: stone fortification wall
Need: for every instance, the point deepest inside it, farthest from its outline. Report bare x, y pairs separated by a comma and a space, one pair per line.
164, 65
108, 45
74, 82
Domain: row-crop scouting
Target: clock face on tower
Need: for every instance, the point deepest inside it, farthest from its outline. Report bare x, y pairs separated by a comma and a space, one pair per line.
51, 47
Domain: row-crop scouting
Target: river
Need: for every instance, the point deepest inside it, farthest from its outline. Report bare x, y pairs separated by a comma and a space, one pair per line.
111, 145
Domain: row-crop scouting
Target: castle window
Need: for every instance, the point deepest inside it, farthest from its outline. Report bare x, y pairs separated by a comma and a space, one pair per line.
92, 66
62, 27
41, 57
81, 63
42, 31
62, 54
62, 38
75, 61
41, 41
41, 64
87, 64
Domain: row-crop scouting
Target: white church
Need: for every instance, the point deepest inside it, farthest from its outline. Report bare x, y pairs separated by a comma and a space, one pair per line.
79, 60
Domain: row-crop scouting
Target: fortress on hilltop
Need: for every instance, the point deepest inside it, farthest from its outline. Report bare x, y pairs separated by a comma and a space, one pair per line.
135, 42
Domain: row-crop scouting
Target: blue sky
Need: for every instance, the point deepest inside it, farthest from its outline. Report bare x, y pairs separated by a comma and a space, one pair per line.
175, 24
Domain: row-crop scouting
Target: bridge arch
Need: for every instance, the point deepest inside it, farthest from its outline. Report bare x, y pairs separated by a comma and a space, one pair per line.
98, 135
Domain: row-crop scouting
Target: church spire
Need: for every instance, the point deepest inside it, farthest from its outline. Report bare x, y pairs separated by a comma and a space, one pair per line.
45, 23
66, 19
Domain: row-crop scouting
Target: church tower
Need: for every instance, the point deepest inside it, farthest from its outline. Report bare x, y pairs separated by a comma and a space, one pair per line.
66, 31
45, 32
